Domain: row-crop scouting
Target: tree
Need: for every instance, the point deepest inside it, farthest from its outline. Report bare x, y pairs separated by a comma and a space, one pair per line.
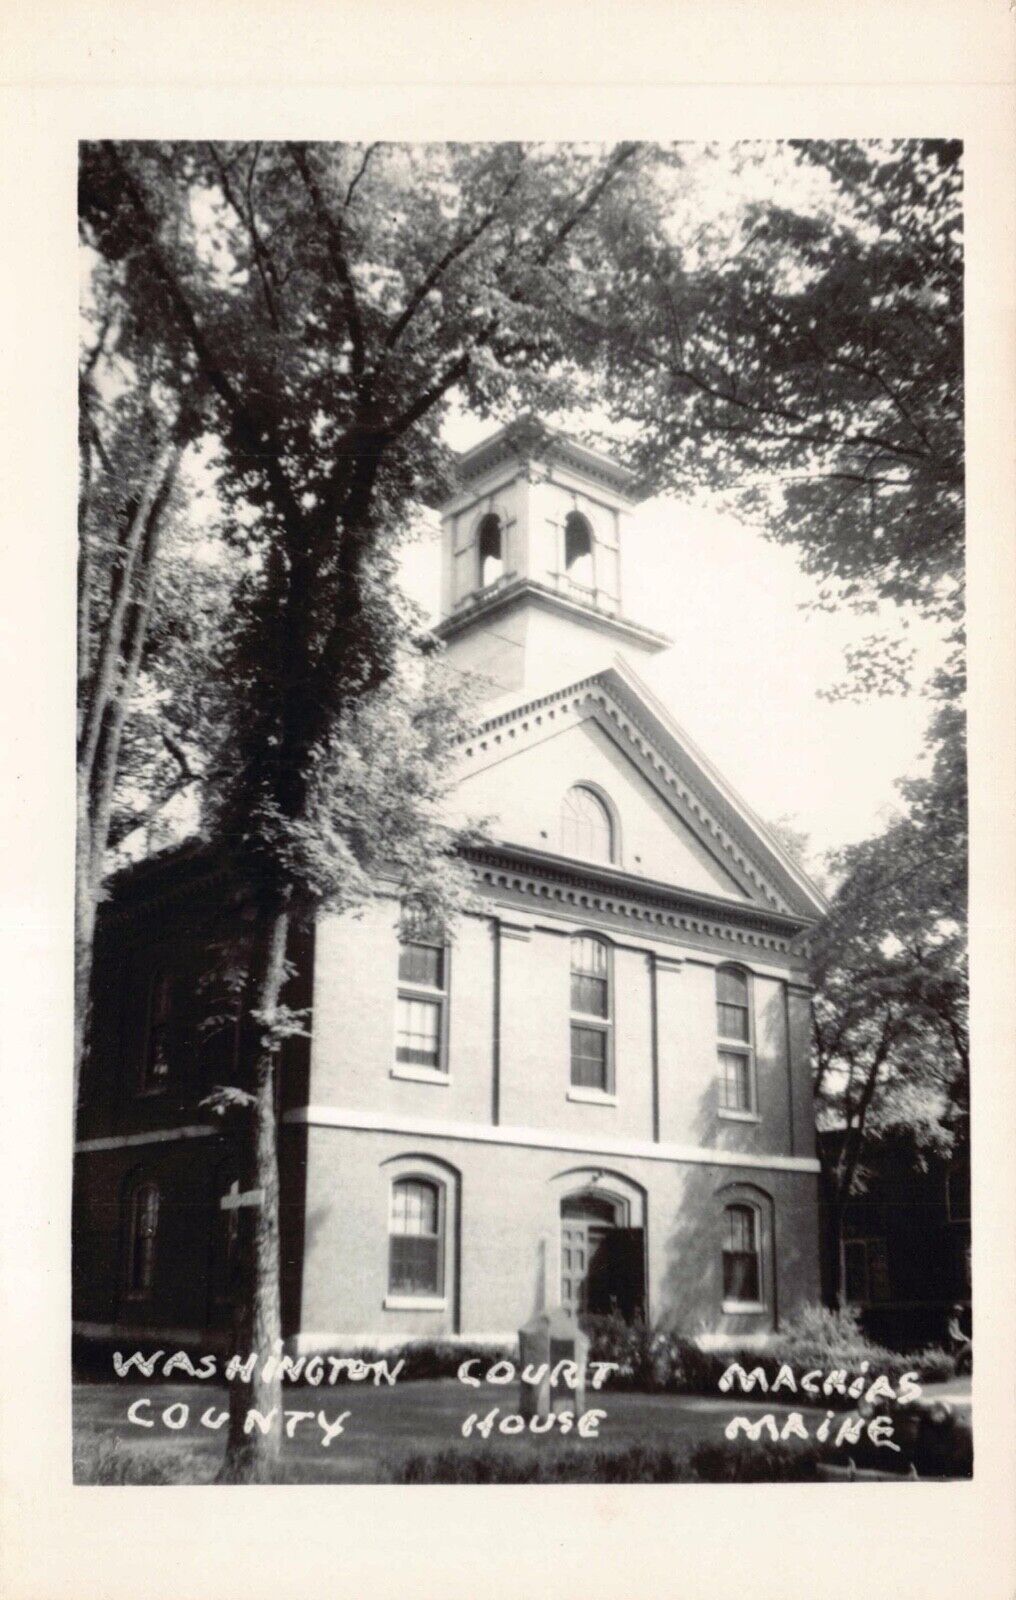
326, 301
804, 358
889, 965
131, 443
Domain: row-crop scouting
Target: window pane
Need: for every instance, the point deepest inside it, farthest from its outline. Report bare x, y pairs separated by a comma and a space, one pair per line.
740, 1276
413, 1265
418, 1041
422, 964
589, 995
741, 1228
732, 1022
588, 1057
735, 1091
731, 987
585, 826
414, 1208
589, 956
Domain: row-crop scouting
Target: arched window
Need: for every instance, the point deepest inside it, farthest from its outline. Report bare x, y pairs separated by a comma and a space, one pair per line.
742, 1270
578, 550
586, 826
142, 1226
416, 1238
734, 1042
591, 1015
490, 549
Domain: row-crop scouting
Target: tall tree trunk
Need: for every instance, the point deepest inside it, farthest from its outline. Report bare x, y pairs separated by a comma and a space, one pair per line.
104, 715
251, 1454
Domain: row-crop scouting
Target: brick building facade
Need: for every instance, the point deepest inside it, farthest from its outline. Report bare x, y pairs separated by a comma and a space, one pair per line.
595, 1091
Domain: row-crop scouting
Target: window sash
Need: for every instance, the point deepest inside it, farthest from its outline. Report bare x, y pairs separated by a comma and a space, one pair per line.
732, 1021
414, 1265
420, 1032
741, 1277
421, 964
415, 1238
589, 1057
589, 995
735, 1080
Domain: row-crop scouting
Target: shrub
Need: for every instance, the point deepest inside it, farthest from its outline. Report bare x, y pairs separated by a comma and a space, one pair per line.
634, 1464
822, 1328
106, 1460
764, 1461
934, 1365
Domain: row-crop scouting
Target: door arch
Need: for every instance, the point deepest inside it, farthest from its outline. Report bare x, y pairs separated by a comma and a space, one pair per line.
602, 1256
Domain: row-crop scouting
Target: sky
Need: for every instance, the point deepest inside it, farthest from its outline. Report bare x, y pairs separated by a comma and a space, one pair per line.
748, 661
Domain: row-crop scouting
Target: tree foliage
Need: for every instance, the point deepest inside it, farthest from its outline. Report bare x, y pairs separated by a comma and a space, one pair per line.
889, 964
806, 361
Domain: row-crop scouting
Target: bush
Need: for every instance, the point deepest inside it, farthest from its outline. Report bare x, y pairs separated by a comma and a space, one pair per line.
934, 1365
634, 1464
821, 1328
762, 1461
106, 1460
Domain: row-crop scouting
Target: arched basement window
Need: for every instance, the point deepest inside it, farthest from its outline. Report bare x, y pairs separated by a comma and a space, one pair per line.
578, 550
490, 544
586, 826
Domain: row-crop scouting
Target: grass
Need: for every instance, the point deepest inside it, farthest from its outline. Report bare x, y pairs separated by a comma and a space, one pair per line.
386, 1427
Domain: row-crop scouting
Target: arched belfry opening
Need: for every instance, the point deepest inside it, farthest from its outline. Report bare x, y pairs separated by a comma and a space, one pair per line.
490, 545
578, 550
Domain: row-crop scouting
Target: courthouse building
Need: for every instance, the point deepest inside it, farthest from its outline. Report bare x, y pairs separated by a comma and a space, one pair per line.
595, 1093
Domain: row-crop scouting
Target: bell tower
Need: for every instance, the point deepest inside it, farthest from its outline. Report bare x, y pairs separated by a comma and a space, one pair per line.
532, 563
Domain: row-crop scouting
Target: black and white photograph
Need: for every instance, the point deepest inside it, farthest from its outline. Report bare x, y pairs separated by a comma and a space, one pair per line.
520, 929
507, 877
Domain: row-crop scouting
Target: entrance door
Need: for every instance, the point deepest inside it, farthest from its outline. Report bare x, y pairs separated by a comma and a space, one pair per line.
601, 1263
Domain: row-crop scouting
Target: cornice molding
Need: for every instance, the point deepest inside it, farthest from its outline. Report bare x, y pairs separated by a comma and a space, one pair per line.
553, 880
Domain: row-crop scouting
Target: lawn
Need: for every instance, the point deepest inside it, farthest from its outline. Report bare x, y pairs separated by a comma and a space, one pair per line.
387, 1424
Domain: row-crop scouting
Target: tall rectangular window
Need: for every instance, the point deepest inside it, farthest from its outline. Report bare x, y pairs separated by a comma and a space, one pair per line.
591, 1066
156, 1061
415, 1238
421, 1028
742, 1279
734, 1042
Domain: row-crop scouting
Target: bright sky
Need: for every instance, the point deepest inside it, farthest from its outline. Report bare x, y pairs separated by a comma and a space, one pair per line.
747, 663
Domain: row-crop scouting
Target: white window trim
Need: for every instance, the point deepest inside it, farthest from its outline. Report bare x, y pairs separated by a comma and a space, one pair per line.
605, 1025
738, 1047
591, 1097
415, 1302
733, 1195
439, 997
399, 1300
418, 1074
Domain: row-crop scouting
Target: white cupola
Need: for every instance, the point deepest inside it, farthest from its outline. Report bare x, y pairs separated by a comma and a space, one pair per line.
533, 561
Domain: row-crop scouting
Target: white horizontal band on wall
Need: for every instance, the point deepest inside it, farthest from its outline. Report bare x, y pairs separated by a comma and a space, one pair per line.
543, 1139
121, 1141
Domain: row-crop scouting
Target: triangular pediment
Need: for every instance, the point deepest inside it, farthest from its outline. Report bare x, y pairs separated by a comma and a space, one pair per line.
678, 822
